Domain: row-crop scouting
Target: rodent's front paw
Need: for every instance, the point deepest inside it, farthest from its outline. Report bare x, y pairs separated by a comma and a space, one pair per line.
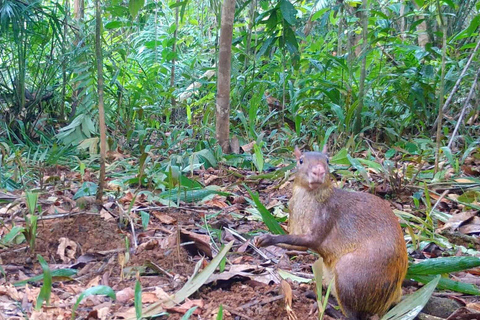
264, 240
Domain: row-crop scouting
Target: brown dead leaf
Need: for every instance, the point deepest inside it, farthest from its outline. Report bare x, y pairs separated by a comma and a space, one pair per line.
125, 295
202, 241
210, 178
474, 306
464, 180
457, 220
217, 201
32, 293
472, 227
164, 218
288, 297
149, 297
10, 291
93, 282
149, 245
187, 305
105, 214
66, 249
161, 294
248, 147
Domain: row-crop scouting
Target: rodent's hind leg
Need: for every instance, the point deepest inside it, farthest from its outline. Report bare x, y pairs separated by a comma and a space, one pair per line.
299, 242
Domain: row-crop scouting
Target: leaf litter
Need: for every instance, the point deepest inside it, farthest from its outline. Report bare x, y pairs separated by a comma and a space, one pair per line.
108, 246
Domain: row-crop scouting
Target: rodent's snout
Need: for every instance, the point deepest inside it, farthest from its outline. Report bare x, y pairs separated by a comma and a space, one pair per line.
317, 173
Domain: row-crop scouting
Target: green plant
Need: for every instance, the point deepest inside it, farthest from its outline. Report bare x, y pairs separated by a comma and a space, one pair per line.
30, 230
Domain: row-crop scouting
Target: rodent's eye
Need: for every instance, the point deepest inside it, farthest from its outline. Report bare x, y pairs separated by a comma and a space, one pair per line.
328, 161
300, 161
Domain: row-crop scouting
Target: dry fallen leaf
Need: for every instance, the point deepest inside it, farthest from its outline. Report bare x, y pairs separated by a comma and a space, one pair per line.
164, 218
66, 249
125, 295
187, 305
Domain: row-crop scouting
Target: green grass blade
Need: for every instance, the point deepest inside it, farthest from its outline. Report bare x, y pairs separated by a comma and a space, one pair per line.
98, 290
267, 217
413, 304
46, 289
138, 299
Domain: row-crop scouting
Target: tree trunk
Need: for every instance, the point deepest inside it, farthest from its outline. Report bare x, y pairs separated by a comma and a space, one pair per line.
101, 111
79, 14
402, 20
421, 28
361, 90
223, 79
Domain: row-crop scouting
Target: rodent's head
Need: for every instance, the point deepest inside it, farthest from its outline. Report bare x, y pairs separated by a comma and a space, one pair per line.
312, 169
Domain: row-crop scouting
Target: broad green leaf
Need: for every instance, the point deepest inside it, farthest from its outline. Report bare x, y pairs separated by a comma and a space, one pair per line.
258, 157
46, 289
190, 311
145, 219
371, 164
443, 265
319, 13
340, 157
220, 312
98, 290
413, 304
267, 217
32, 199
60, 274
87, 189
290, 40
390, 153
288, 11
448, 284
449, 155
356, 164
113, 25
138, 299
134, 6
189, 195
287, 275
9, 237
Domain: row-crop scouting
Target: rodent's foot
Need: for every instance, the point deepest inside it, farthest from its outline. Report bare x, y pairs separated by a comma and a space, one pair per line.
264, 240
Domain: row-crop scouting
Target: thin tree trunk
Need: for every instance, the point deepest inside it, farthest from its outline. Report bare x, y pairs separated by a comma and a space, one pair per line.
340, 31
64, 60
361, 90
441, 92
101, 111
223, 79
172, 70
421, 28
402, 20
79, 14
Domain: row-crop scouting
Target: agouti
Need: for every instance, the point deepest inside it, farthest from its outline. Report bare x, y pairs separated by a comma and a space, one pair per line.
357, 235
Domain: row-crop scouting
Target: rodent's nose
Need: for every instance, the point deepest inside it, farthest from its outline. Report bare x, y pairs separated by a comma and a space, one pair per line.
318, 172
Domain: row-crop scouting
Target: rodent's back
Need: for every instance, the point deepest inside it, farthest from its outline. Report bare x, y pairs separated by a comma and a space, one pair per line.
345, 221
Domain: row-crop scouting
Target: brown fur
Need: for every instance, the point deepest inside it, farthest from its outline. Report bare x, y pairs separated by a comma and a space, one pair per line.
357, 235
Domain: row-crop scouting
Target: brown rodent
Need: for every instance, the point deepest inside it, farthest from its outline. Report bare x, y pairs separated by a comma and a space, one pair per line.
357, 235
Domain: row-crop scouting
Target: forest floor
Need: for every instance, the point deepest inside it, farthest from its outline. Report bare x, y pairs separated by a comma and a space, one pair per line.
107, 245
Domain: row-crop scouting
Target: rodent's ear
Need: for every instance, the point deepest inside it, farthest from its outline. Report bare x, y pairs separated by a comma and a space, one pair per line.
297, 153
324, 149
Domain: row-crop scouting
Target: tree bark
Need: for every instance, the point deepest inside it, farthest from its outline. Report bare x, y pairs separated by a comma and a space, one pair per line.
223, 79
421, 28
101, 110
79, 14
361, 90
